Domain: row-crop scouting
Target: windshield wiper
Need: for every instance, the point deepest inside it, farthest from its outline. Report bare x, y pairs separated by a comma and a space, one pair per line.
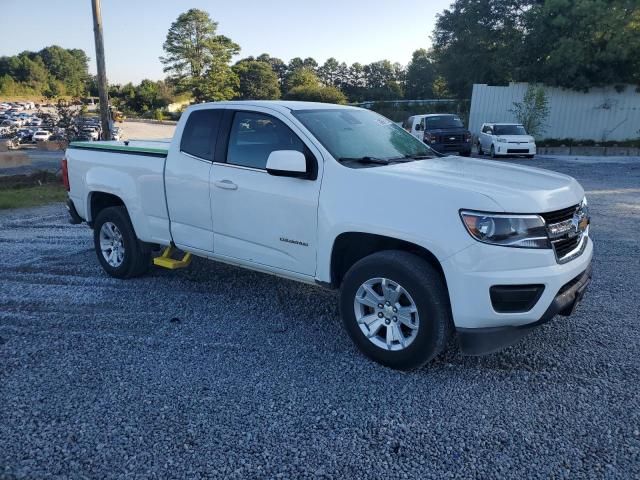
418, 157
379, 161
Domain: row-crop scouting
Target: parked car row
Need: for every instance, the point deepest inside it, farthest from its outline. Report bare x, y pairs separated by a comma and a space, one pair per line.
23, 127
446, 134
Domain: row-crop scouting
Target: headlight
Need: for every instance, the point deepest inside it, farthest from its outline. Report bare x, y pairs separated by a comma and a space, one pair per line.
502, 140
523, 231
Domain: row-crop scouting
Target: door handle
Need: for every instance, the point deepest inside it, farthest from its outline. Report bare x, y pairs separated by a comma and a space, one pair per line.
226, 184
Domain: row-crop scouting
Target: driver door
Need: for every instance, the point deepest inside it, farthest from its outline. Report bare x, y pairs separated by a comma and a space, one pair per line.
260, 218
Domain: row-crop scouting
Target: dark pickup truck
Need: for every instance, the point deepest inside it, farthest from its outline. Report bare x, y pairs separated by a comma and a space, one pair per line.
445, 133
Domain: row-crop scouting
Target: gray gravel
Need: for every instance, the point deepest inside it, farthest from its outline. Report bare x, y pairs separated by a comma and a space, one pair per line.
220, 372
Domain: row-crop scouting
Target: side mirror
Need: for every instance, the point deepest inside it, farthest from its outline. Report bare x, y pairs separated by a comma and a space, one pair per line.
418, 127
287, 163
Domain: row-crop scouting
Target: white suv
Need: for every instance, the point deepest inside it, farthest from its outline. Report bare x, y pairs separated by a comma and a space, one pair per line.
505, 139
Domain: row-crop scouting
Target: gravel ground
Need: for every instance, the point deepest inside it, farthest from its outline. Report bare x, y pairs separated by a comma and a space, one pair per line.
220, 372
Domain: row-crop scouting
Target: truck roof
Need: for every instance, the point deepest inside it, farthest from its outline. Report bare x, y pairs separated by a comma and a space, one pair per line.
280, 105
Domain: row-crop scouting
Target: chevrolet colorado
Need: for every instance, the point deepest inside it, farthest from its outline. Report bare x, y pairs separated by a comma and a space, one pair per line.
421, 247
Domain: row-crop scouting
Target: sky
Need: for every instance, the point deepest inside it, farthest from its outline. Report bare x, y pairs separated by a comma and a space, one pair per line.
134, 30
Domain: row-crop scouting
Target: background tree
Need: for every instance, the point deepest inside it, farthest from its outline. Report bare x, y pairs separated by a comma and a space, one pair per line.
302, 77
197, 59
316, 93
329, 72
381, 81
52, 71
257, 80
439, 88
479, 42
533, 110
582, 44
420, 76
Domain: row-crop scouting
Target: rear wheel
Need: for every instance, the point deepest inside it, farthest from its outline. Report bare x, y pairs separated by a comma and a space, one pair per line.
119, 251
395, 308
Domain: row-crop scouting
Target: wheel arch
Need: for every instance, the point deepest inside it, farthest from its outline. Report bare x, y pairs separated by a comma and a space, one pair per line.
99, 200
349, 247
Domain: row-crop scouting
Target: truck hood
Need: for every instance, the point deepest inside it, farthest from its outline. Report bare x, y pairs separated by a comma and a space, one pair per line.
515, 188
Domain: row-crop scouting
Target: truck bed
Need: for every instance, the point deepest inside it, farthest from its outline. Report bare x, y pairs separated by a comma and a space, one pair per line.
132, 171
144, 147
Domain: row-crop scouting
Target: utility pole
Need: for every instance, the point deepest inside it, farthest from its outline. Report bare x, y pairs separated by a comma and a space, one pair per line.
102, 71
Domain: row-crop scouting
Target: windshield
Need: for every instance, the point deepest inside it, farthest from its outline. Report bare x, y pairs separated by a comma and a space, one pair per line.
354, 134
442, 121
509, 130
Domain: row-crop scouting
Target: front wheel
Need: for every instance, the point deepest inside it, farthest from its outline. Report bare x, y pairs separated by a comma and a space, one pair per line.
119, 251
480, 152
395, 308
492, 151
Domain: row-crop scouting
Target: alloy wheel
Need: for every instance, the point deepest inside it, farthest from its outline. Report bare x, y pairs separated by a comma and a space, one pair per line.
386, 314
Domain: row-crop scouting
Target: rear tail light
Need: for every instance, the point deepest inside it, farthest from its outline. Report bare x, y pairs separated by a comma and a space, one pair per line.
65, 174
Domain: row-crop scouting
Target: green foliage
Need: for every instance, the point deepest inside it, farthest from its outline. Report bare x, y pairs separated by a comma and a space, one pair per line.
581, 44
477, 42
197, 59
51, 72
148, 96
570, 142
67, 117
399, 112
439, 88
533, 111
257, 80
316, 93
32, 196
575, 44
302, 77
158, 115
420, 75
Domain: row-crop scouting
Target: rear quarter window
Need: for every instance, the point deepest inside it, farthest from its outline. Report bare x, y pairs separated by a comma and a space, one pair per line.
200, 132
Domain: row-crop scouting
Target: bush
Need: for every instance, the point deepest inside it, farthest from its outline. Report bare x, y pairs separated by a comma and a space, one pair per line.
317, 93
158, 115
533, 111
570, 142
401, 111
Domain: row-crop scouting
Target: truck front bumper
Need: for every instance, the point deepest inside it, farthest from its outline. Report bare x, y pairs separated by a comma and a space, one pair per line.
515, 148
451, 148
482, 326
481, 341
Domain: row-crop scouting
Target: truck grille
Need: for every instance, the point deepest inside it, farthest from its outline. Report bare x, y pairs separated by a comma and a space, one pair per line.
559, 215
567, 239
451, 139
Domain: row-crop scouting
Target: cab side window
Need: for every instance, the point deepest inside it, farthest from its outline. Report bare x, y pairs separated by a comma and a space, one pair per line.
200, 132
254, 136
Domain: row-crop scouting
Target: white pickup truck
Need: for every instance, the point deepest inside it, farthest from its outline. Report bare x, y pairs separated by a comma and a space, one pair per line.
421, 247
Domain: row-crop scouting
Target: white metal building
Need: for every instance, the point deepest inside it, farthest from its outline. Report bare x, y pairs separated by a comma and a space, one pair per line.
600, 114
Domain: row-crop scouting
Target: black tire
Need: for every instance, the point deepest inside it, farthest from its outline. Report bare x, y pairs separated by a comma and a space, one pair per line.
137, 255
466, 154
529, 156
427, 288
480, 152
492, 152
